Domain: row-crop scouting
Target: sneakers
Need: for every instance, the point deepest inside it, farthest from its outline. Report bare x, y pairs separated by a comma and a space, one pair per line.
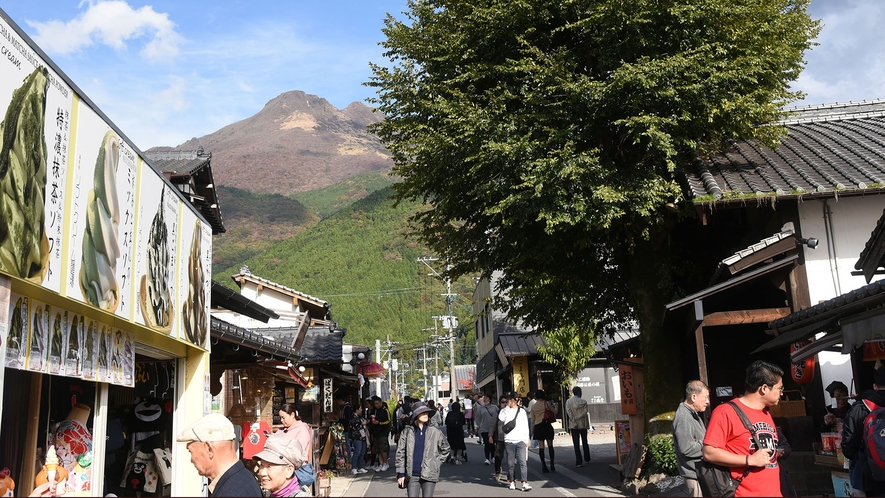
457, 462
578, 464
384, 467
362, 471
354, 471
526, 486
487, 462
512, 485
376, 468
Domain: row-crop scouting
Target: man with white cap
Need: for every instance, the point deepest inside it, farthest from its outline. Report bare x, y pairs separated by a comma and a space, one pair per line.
212, 444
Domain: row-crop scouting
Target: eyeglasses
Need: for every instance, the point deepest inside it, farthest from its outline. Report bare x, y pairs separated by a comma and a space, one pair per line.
779, 388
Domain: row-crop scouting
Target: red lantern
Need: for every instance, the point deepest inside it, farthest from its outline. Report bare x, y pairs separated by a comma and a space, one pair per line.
803, 371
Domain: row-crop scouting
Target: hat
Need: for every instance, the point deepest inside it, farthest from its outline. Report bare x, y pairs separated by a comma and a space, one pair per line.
281, 449
831, 389
212, 427
419, 407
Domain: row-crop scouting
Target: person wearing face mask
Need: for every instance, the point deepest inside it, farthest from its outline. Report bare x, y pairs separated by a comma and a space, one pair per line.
688, 433
277, 463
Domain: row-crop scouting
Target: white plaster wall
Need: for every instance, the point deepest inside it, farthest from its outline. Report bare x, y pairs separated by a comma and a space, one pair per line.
853, 220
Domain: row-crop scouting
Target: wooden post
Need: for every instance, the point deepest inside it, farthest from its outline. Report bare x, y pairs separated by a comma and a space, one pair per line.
29, 471
702, 354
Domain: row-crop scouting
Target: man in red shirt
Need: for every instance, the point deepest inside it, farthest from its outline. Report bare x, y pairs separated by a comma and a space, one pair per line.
730, 444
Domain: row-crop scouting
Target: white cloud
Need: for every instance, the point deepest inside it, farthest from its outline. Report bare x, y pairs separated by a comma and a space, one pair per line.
112, 23
849, 63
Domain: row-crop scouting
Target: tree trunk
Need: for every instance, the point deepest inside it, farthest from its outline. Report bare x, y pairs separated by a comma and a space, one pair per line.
661, 350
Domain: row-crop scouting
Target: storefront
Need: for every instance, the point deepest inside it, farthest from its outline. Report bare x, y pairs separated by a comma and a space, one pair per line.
104, 291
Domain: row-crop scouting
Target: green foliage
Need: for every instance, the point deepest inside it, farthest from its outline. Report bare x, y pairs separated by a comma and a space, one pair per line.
364, 263
328, 200
662, 455
547, 136
569, 350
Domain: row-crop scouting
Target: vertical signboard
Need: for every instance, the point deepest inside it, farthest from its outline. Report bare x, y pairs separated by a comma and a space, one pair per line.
194, 288
35, 115
521, 375
102, 222
628, 390
155, 276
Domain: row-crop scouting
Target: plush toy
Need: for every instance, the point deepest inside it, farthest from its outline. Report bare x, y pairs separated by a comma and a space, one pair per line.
52, 472
7, 485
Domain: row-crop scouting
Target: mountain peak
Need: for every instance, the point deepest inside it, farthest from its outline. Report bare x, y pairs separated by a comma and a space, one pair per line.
297, 142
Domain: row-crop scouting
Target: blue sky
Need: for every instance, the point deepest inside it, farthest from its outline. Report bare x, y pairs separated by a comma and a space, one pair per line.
168, 70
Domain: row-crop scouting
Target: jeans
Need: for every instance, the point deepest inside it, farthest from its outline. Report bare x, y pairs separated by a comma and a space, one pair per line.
517, 453
420, 487
357, 452
582, 434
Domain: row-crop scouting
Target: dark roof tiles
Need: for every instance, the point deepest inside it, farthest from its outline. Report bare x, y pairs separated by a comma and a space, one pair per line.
838, 148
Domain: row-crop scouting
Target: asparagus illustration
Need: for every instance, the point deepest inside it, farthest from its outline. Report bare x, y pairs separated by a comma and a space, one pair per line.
24, 246
101, 247
193, 311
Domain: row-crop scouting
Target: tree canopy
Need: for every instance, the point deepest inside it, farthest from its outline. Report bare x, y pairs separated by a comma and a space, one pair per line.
546, 136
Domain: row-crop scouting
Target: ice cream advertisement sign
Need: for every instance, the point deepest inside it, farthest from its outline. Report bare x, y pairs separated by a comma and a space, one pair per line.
82, 215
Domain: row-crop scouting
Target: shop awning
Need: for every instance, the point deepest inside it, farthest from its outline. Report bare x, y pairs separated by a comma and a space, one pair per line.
852, 319
520, 344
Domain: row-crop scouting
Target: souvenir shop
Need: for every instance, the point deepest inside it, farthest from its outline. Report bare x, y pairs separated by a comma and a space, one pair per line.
104, 288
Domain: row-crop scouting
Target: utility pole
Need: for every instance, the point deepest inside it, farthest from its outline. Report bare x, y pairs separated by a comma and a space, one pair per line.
449, 322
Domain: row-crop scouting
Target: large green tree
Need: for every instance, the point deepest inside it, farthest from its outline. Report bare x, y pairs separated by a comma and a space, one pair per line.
546, 136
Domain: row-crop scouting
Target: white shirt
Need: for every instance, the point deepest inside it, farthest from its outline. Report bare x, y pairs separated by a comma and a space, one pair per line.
468, 404
520, 433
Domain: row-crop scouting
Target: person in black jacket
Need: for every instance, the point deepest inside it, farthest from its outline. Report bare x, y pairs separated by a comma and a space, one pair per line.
853, 446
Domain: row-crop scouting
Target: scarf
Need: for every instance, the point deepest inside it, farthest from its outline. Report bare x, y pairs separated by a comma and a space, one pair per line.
289, 489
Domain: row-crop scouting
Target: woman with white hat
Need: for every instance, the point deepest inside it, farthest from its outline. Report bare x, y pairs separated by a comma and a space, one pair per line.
421, 452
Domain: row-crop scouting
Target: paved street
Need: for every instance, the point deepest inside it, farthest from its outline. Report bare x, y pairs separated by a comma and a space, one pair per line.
476, 479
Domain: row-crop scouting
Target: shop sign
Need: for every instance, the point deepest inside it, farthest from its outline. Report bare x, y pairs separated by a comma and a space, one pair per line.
521, 375
97, 224
628, 390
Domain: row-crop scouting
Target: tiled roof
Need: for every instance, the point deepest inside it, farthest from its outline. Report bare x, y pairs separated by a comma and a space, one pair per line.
191, 172
873, 255
830, 149
869, 295
179, 161
465, 376
322, 345
228, 332
283, 335
787, 231
521, 345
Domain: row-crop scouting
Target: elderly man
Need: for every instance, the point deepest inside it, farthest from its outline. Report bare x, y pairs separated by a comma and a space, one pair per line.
212, 444
688, 433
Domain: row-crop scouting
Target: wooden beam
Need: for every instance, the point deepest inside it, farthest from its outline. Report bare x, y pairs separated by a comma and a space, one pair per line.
745, 316
702, 354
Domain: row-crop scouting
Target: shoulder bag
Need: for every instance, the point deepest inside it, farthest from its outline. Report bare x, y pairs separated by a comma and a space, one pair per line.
549, 416
715, 480
509, 426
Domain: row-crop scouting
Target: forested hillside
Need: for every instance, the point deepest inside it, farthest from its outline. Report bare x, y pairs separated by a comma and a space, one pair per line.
255, 222
325, 201
362, 262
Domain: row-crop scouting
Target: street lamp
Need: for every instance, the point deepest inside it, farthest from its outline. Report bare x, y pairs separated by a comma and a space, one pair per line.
358, 360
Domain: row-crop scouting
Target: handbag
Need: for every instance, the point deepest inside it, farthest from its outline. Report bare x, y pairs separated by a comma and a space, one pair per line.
715, 480
305, 475
549, 416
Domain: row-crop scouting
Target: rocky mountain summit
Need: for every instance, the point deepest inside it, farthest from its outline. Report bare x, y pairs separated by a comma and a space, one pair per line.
297, 142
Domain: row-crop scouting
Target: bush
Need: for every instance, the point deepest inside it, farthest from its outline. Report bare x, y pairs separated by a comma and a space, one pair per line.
662, 455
